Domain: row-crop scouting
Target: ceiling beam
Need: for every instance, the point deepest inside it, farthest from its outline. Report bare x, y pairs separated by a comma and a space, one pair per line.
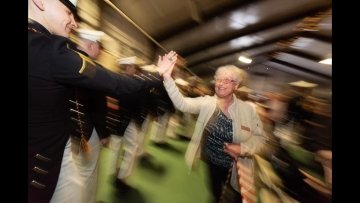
206, 17
284, 63
252, 29
265, 43
292, 51
318, 36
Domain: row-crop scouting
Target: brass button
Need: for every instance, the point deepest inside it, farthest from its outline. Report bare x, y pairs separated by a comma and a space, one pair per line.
42, 158
37, 184
39, 170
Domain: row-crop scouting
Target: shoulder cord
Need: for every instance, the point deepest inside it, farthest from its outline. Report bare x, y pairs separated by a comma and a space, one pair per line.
84, 145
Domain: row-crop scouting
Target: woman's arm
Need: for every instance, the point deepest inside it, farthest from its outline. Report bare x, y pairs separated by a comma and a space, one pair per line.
184, 104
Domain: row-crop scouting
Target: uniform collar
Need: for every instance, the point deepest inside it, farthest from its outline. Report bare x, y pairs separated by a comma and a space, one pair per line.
82, 52
37, 27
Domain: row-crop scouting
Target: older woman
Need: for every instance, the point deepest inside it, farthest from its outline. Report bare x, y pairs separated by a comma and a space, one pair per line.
226, 127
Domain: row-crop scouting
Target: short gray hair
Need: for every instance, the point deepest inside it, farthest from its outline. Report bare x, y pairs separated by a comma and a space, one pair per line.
239, 75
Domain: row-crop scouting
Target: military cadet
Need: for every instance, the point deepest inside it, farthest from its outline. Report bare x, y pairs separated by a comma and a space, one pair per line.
127, 124
89, 108
53, 70
131, 128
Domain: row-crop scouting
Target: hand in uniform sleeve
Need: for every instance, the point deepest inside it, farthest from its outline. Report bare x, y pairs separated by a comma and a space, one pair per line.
73, 68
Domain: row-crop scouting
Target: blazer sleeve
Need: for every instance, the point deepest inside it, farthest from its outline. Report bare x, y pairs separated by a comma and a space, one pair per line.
184, 104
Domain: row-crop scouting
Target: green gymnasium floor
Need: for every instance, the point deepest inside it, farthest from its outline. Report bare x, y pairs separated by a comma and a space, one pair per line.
165, 179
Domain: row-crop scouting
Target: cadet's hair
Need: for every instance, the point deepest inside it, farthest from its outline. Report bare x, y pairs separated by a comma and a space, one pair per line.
238, 74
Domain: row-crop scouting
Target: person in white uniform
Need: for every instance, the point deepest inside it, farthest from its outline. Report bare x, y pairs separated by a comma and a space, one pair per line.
129, 131
89, 42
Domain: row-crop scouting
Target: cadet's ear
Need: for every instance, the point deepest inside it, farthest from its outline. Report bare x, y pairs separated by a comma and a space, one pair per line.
39, 4
93, 45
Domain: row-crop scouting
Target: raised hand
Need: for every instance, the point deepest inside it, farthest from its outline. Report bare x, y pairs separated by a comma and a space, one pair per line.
166, 64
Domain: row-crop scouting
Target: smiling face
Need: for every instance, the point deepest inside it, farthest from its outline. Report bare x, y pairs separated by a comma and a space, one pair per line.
225, 84
53, 15
60, 19
227, 79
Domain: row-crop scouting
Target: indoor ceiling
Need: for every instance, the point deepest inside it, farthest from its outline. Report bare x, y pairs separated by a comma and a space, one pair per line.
290, 36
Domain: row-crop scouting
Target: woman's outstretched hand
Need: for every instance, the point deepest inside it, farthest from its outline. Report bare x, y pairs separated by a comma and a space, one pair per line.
166, 64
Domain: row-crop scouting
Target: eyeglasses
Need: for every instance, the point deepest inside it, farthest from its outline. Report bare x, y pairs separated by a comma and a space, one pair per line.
224, 81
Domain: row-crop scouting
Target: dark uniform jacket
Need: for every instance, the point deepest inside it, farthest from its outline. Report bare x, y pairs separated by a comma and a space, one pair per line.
53, 70
136, 107
89, 107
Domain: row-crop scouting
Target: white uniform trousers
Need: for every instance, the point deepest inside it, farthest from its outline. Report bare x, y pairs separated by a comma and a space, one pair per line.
69, 185
132, 141
161, 124
87, 165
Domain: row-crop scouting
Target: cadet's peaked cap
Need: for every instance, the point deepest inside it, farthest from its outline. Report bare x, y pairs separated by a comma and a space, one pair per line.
303, 84
71, 4
92, 35
130, 60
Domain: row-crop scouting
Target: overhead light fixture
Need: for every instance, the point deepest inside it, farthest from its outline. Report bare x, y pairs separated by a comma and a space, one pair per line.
244, 59
327, 61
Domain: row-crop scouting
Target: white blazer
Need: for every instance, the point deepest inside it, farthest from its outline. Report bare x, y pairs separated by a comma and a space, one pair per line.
247, 127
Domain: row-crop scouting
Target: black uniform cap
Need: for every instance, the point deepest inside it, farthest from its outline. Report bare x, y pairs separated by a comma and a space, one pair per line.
71, 4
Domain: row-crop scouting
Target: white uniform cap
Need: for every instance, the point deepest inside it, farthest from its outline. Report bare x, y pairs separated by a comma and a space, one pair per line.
71, 4
74, 2
92, 35
303, 84
130, 60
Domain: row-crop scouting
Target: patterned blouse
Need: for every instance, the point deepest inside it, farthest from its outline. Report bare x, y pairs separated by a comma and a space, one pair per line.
217, 131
